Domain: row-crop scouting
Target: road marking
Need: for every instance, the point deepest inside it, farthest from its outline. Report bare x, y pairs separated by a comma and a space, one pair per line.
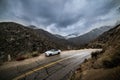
39, 68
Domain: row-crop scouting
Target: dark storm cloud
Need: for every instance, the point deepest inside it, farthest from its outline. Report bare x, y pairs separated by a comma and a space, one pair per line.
61, 16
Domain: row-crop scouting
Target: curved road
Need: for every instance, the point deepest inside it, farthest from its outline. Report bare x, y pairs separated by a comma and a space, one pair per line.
45, 68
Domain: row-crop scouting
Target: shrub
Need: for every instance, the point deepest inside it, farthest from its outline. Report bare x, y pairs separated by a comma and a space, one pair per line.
96, 54
20, 58
85, 61
35, 55
108, 64
115, 58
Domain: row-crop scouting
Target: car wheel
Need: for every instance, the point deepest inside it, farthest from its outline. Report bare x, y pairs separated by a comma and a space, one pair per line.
46, 55
50, 54
58, 52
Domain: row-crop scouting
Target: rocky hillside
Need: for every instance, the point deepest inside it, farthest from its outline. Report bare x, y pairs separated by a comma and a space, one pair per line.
87, 37
107, 39
103, 65
16, 39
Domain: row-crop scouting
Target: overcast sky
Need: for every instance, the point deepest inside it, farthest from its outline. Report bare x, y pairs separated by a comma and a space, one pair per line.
61, 16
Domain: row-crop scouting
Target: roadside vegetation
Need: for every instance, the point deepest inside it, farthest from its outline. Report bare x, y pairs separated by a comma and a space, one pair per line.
26, 56
18, 40
103, 65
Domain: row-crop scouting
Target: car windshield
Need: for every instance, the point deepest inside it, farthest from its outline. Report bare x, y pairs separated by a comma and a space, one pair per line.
53, 50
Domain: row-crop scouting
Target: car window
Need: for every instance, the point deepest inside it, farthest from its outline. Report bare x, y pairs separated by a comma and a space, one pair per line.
53, 50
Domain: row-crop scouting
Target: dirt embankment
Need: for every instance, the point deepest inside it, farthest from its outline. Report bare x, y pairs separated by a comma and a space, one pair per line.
103, 65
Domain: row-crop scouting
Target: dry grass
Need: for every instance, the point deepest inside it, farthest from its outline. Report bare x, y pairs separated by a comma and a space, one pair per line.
27, 55
112, 60
102, 74
102, 66
20, 58
35, 54
98, 74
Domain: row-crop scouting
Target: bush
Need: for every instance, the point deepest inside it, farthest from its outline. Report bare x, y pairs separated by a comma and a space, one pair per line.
115, 58
85, 61
35, 55
96, 54
20, 58
108, 64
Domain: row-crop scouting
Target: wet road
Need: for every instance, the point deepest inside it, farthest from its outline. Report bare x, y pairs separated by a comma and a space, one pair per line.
45, 68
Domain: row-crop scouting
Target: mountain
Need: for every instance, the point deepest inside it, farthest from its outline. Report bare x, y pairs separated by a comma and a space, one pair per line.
107, 38
76, 34
105, 63
16, 39
59, 36
87, 37
32, 26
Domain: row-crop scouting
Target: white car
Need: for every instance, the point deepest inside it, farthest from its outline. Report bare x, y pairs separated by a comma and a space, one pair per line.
52, 52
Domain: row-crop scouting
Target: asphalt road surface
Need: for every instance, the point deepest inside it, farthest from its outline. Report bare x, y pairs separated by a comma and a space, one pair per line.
45, 68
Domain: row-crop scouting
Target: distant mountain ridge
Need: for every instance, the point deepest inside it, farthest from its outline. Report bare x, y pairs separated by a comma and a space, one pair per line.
109, 38
33, 27
59, 36
87, 37
73, 35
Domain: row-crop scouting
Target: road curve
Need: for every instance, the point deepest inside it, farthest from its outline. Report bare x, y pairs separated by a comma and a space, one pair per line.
45, 68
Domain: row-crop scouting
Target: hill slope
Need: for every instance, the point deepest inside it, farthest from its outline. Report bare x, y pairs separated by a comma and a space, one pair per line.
16, 39
107, 39
86, 38
103, 65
